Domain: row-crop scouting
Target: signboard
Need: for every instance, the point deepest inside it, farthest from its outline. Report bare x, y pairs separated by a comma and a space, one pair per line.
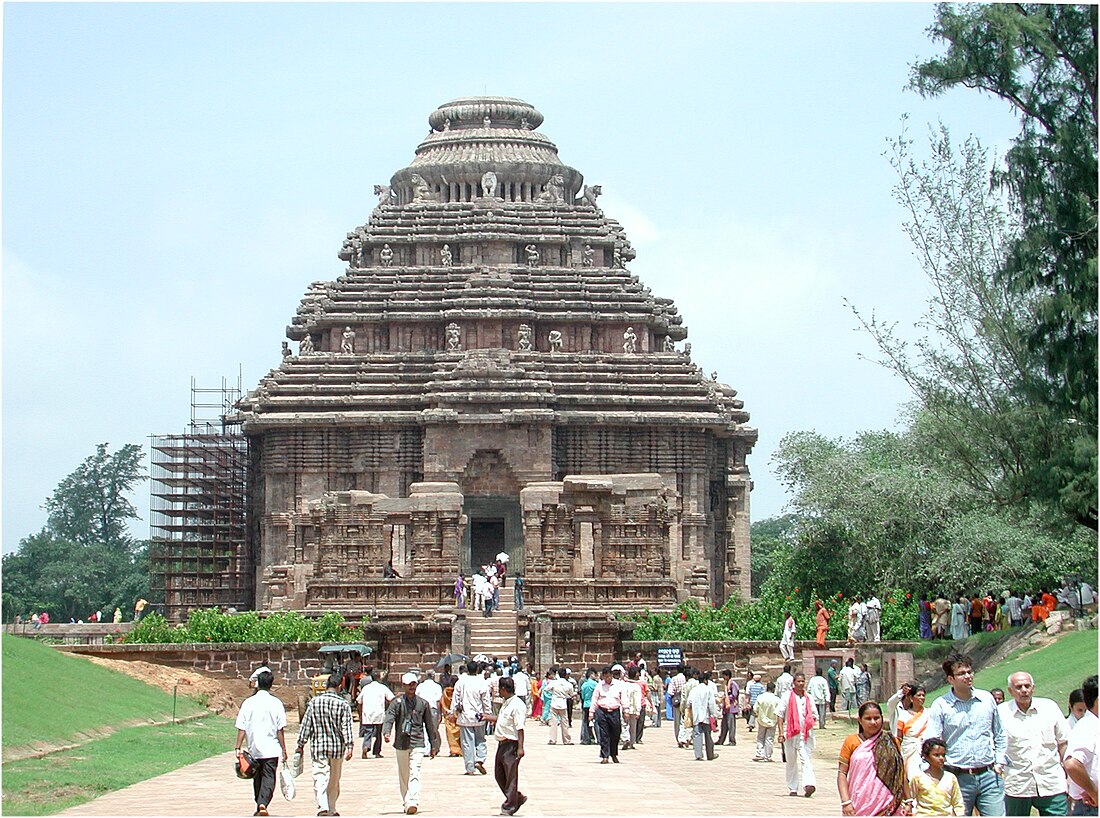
670, 657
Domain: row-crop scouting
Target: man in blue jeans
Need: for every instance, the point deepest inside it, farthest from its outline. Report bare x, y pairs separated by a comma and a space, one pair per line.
968, 721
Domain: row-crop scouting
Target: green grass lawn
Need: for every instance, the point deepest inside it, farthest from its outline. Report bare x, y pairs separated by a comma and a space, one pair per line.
44, 786
1057, 668
50, 696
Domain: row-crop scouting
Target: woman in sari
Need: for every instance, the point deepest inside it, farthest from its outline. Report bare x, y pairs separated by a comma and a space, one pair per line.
912, 722
460, 592
925, 620
450, 723
871, 778
863, 684
536, 696
958, 618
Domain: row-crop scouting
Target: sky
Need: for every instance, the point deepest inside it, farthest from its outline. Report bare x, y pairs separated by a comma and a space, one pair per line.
176, 175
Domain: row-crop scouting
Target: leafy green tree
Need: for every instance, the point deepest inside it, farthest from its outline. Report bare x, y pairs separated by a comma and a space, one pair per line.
1042, 60
768, 537
84, 558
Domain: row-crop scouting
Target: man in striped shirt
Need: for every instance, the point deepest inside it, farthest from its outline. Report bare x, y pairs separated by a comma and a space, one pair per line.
755, 688
676, 694
327, 727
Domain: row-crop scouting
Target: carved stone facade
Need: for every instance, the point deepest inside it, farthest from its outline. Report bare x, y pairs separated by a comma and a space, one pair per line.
489, 376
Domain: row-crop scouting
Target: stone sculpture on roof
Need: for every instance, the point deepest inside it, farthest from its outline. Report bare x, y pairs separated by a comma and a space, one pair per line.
422, 425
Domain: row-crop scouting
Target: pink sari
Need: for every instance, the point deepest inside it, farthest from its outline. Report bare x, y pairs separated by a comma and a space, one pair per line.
869, 795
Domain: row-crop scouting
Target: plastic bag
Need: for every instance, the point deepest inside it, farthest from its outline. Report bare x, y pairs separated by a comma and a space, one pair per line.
296, 764
286, 782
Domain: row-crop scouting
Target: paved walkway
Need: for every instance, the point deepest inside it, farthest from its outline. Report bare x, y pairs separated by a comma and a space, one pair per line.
655, 779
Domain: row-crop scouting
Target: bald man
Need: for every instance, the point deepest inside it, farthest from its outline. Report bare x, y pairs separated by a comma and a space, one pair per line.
1037, 734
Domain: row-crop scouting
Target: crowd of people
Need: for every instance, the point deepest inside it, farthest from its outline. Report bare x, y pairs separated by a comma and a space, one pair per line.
481, 590
941, 618
969, 750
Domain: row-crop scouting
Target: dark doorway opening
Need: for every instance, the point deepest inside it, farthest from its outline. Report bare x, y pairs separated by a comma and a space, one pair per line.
486, 541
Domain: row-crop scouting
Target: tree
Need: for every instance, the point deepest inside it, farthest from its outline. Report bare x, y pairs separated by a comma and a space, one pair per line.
84, 558
1042, 60
769, 537
973, 370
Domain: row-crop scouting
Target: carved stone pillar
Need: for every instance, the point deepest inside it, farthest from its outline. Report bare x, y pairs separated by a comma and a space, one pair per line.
460, 635
542, 637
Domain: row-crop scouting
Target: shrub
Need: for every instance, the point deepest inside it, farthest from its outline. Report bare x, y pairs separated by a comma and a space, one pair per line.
211, 625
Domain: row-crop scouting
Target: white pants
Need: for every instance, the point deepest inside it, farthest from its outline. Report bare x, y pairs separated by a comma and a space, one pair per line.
558, 718
408, 775
800, 768
874, 629
787, 649
326, 781
765, 740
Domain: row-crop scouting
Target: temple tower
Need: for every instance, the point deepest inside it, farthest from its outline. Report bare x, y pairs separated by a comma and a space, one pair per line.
489, 376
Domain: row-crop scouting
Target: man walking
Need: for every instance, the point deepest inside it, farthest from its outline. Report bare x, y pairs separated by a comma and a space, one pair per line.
560, 690
967, 720
327, 727
1036, 735
818, 690
764, 714
373, 699
832, 676
874, 619
588, 687
701, 700
606, 711
430, 691
509, 735
730, 708
413, 718
261, 722
469, 702
676, 693
796, 723
756, 689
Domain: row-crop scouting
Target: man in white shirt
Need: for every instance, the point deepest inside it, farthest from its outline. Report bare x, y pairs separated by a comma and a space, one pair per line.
704, 707
509, 734
1014, 609
796, 719
784, 683
1082, 762
372, 700
818, 690
1037, 734
523, 686
560, 691
430, 691
848, 676
606, 713
874, 619
470, 704
260, 722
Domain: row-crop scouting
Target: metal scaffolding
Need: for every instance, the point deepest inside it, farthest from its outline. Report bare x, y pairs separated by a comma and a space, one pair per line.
200, 556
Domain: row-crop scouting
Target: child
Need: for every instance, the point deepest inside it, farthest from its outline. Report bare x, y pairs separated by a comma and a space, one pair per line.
935, 790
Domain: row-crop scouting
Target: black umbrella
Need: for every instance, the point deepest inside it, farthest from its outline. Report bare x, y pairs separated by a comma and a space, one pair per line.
451, 659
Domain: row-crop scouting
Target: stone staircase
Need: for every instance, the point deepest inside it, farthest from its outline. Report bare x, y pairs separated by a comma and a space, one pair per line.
494, 635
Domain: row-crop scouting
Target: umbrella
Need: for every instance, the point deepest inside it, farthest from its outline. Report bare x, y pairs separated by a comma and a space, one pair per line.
502, 557
451, 659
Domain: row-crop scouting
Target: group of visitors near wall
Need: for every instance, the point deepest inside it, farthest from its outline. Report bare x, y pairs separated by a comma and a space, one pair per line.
970, 750
941, 618
481, 590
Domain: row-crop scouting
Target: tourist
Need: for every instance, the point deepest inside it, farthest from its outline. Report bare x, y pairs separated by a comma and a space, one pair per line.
536, 693
567, 674
766, 720
1025, 608
818, 690
431, 692
547, 695
848, 677
1014, 610
117, 618
893, 706
261, 722
687, 723
656, 698
373, 699
1077, 707
632, 706
469, 705
874, 619
508, 729
606, 712
786, 643
676, 695
966, 719
1000, 615
413, 718
517, 591
263, 668
924, 617
327, 727
493, 675
912, 724
559, 691
1036, 736
730, 709
796, 719
871, 776
977, 612
998, 696
785, 682
450, 724
832, 676
522, 685
958, 621
855, 621
821, 620
1082, 764
704, 714
863, 685
494, 593
460, 592
756, 689
942, 621
935, 791
139, 608
588, 687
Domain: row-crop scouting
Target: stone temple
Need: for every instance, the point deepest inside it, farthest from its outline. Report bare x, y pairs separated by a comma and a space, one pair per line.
489, 376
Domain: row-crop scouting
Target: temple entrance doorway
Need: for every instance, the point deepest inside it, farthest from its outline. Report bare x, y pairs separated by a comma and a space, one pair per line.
492, 525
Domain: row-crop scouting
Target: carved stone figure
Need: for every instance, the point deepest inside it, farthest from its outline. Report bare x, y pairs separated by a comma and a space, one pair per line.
523, 123
687, 350
384, 194
588, 255
454, 340
532, 255
422, 191
489, 184
617, 258
714, 376
488, 123
589, 195
555, 340
670, 345
445, 256
554, 192
386, 256
305, 346
524, 338
347, 341
630, 341
286, 349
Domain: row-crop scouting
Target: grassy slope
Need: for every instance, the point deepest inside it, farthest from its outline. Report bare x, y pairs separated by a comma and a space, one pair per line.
49, 696
1057, 668
45, 786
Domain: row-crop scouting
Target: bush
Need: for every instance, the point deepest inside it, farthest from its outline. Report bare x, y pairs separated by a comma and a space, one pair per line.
212, 625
